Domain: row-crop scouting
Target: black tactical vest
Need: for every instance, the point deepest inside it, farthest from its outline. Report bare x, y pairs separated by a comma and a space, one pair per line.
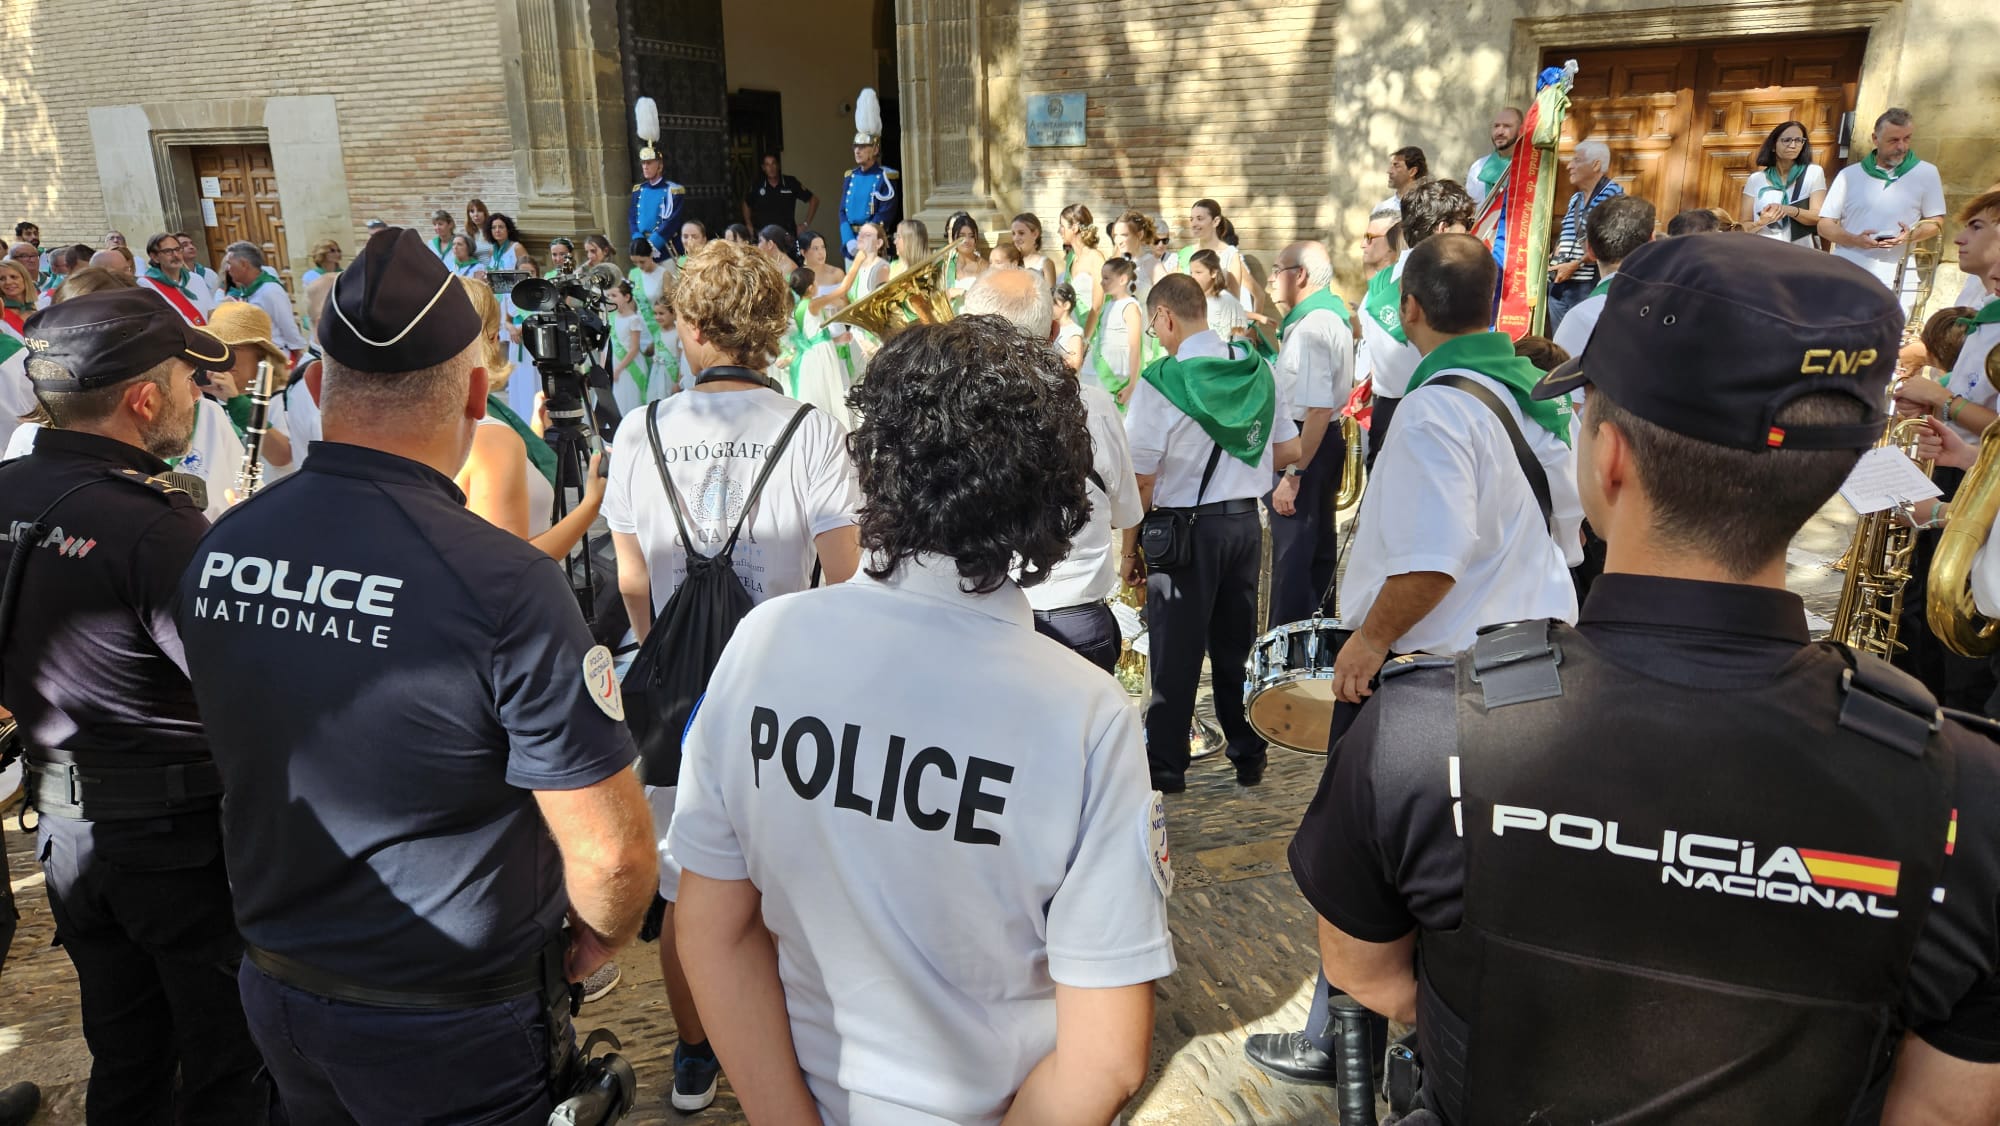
1681, 906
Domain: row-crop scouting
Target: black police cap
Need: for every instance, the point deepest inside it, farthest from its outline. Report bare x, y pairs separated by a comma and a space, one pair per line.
1712, 335
111, 336
396, 308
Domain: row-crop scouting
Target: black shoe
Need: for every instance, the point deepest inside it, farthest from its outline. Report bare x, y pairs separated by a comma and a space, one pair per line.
1250, 775
19, 1103
1170, 784
1292, 1057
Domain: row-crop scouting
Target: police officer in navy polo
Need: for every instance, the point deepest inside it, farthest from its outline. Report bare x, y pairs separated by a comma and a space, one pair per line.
869, 192
119, 766
438, 780
1678, 864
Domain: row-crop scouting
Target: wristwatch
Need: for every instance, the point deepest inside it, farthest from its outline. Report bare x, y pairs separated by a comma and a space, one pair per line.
1293, 471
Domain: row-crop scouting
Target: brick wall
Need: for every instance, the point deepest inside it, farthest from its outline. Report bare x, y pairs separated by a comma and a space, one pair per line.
1228, 101
418, 89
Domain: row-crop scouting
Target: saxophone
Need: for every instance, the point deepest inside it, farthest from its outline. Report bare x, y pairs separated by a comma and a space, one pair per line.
1879, 565
250, 475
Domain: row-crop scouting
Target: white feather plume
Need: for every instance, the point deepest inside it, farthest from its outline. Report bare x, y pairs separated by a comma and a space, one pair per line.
868, 113
648, 117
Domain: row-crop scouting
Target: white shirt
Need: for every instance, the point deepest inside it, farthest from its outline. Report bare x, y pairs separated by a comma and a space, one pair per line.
17, 395
300, 414
1391, 362
1973, 294
1313, 366
1762, 193
1447, 494
277, 305
1173, 447
1968, 375
1090, 572
715, 444
1225, 315
1581, 321
1862, 203
923, 920
215, 455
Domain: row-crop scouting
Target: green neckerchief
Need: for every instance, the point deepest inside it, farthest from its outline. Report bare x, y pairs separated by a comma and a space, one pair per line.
439, 246
1490, 170
1233, 400
9, 344
263, 278
1186, 255
1384, 303
1602, 288
1784, 184
539, 454
1321, 298
25, 308
493, 258
158, 274
1869, 166
238, 410
1491, 354
1988, 314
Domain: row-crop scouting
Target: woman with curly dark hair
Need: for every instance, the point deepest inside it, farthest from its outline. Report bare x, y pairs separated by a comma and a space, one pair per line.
942, 824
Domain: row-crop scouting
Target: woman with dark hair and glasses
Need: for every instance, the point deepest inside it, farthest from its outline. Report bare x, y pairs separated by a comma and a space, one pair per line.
970, 911
1782, 197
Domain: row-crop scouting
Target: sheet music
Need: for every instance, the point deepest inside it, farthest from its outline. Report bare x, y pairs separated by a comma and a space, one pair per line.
1884, 478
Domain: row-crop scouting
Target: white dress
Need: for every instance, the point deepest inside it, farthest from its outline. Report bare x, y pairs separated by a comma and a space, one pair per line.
1225, 315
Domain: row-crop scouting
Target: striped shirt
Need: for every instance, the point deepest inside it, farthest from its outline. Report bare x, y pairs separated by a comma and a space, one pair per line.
1571, 247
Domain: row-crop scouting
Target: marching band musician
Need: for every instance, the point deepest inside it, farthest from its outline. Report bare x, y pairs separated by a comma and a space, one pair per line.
1432, 207
1578, 824
1883, 201
1313, 369
1205, 430
1454, 532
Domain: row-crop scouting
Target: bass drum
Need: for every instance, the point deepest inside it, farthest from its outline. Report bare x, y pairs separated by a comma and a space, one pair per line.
1288, 685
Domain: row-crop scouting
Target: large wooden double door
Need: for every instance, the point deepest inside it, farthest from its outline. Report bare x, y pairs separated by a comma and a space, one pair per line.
245, 202
1684, 122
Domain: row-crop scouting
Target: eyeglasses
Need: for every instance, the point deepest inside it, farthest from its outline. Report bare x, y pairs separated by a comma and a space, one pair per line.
1152, 319
1791, 140
1161, 241
1285, 269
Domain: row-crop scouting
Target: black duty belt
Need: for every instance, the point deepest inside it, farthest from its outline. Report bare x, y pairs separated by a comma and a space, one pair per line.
1236, 507
530, 976
125, 793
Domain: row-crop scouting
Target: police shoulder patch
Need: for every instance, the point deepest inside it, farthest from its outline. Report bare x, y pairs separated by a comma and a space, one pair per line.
1154, 827
600, 681
159, 485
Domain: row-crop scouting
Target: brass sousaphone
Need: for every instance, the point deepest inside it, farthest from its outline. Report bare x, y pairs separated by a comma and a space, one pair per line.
915, 296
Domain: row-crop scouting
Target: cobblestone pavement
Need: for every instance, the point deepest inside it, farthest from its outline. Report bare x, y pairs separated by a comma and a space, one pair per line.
1243, 936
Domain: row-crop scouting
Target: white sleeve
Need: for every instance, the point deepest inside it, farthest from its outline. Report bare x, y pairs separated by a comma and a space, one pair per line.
1933, 199
1815, 180
1323, 380
1986, 579
833, 493
1473, 187
1107, 923
1148, 417
1836, 197
616, 507
1427, 476
1112, 458
701, 837
1572, 334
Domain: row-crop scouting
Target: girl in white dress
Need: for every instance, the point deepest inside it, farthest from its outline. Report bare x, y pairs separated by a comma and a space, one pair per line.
477, 225
504, 251
1118, 348
631, 377
1215, 233
1132, 237
826, 276
1082, 263
1786, 191
1027, 232
1069, 339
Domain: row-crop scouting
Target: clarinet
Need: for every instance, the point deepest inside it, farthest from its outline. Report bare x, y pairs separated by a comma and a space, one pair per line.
250, 475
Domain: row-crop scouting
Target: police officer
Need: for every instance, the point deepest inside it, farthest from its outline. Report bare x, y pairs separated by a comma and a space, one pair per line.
1680, 806
91, 664
658, 205
868, 191
965, 874
391, 808
1204, 431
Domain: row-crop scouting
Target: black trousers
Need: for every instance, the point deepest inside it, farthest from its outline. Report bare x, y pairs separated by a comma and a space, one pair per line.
1089, 628
1379, 418
1319, 1023
1207, 607
1305, 552
144, 912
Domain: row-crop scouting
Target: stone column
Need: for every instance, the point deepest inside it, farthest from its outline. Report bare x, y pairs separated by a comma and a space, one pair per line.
563, 107
963, 120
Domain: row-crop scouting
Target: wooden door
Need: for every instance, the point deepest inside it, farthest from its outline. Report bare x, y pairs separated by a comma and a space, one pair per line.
672, 53
1684, 123
246, 206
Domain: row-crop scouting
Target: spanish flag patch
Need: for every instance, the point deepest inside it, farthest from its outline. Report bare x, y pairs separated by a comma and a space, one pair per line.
1775, 438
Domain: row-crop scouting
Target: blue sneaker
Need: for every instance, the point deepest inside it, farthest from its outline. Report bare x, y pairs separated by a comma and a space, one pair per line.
694, 1080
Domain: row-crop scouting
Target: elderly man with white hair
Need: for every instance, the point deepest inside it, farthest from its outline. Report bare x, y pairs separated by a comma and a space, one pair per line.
1314, 373
1069, 605
1570, 277
251, 280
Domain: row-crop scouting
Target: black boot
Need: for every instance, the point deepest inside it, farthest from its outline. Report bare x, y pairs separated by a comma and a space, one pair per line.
19, 1103
1291, 1056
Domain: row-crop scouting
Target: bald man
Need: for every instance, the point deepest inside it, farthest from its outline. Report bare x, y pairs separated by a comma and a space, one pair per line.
1315, 373
1069, 605
1487, 173
116, 260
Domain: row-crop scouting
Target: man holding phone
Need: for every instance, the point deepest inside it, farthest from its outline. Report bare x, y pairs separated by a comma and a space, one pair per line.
1883, 201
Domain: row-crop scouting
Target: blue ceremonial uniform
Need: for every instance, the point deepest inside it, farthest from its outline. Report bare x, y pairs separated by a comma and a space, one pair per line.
868, 195
382, 818
658, 207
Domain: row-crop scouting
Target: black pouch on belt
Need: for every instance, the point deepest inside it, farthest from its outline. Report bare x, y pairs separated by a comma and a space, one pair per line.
1166, 535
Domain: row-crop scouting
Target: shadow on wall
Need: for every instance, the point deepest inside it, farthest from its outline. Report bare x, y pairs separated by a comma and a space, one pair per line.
27, 136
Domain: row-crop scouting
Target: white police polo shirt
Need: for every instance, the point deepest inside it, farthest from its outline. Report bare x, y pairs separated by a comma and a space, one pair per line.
1448, 495
944, 823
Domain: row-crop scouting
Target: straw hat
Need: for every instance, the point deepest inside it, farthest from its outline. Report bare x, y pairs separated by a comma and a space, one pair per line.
239, 323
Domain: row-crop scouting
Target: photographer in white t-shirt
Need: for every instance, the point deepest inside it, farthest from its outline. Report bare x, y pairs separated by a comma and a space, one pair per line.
731, 308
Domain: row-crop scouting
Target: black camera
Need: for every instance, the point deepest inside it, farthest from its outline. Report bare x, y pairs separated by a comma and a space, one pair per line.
565, 333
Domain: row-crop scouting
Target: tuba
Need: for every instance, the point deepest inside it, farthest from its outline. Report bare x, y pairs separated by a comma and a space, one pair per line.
1948, 605
1879, 566
1354, 469
915, 296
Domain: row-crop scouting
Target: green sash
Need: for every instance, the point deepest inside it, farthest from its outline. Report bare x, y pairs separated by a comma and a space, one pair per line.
824, 335
1106, 378
645, 303
1384, 303
1186, 255
1491, 170
1321, 298
1869, 166
263, 278
238, 410
1233, 400
540, 455
1491, 354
